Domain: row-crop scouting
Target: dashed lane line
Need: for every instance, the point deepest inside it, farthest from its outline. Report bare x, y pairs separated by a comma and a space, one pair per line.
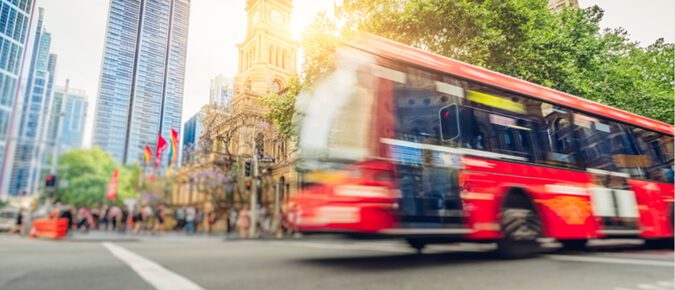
153, 273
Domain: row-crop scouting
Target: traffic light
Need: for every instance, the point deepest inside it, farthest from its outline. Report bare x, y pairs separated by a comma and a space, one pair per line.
247, 168
50, 180
248, 185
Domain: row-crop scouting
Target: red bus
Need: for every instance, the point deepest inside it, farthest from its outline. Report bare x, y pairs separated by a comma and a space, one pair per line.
402, 143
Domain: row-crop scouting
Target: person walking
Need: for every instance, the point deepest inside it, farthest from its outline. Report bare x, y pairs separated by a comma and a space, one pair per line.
19, 225
180, 218
67, 214
159, 223
149, 213
190, 216
138, 219
244, 222
85, 217
232, 220
211, 219
200, 220
104, 218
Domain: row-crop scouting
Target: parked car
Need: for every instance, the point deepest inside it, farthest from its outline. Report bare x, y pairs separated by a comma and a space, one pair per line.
8, 218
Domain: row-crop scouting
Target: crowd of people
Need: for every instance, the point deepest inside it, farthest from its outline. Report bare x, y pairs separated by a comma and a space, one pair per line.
141, 219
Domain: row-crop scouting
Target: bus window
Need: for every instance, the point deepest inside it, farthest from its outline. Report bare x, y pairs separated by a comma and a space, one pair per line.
556, 136
658, 150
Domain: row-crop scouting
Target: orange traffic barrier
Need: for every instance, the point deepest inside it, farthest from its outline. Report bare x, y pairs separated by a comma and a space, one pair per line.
54, 229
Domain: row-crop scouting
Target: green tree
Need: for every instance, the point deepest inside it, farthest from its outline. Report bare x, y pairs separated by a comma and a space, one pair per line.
88, 173
565, 50
282, 107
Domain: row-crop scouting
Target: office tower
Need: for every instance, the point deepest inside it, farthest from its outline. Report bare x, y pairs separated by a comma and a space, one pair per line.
141, 83
222, 89
192, 129
24, 163
73, 106
15, 22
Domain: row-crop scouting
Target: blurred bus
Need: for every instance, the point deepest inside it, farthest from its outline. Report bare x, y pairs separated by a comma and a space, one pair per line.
402, 143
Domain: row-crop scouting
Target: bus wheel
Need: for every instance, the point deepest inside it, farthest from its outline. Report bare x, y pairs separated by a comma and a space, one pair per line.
417, 244
574, 245
521, 227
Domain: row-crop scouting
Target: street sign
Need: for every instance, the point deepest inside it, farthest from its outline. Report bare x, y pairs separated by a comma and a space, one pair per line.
267, 160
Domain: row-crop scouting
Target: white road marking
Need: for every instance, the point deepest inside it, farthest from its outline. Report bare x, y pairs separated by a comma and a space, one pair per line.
666, 284
611, 260
153, 273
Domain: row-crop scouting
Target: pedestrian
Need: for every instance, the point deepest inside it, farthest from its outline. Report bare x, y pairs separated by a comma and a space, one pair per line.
190, 216
114, 216
19, 225
159, 224
67, 214
244, 222
211, 219
95, 213
85, 217
232, 219
104, 217
200, 220
149, 213
123, 219
180, 218
280, 223
138, 219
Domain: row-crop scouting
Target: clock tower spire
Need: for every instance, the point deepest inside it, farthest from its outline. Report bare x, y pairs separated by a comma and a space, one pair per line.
267, 57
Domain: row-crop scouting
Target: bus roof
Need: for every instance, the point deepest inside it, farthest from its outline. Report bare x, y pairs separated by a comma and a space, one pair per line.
397, 51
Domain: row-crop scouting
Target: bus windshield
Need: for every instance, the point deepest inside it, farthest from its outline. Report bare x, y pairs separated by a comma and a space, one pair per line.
335, 117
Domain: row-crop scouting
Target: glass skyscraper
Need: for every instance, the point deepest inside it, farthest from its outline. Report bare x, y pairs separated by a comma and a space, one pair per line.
15, 18
192, 129
74, 116
31, 143
222, 92
141, 83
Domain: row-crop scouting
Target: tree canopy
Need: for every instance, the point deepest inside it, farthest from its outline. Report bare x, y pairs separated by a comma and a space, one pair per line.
88, 173
565, 50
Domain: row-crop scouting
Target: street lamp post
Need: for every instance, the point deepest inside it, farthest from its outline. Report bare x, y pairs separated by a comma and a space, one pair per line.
254, 196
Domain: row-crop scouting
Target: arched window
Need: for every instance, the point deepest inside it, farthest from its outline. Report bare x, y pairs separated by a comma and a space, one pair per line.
276, 86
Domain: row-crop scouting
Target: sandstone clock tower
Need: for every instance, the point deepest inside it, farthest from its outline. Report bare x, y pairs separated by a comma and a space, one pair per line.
267, 57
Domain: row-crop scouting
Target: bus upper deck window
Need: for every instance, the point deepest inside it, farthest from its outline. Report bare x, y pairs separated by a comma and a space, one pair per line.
449, 122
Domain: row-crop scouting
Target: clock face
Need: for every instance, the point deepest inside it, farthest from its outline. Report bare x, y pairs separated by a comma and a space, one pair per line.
256, 17
276, 17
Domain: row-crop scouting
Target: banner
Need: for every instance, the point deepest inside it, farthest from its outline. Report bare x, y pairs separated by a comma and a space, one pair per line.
173, 152
112, 186
161, 146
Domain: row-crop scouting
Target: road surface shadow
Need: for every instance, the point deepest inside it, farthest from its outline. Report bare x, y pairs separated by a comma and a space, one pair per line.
404, 261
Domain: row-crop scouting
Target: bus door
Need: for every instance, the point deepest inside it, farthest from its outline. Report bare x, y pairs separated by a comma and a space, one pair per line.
429, 196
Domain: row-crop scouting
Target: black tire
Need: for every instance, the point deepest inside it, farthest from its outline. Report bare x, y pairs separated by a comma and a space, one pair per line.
574, 245
521, 227
660, 244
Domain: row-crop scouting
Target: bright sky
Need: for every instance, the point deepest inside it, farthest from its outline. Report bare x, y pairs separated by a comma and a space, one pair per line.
78, 30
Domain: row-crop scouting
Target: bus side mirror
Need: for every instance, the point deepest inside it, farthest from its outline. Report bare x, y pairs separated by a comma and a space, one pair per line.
449, 122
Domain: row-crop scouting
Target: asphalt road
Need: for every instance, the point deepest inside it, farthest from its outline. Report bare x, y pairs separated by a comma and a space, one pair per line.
317, 264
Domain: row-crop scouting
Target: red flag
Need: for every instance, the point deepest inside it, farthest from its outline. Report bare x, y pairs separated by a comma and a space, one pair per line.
161, 146
112, 186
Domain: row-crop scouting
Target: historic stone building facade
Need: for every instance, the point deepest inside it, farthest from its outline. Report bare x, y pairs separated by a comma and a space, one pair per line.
267, 60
